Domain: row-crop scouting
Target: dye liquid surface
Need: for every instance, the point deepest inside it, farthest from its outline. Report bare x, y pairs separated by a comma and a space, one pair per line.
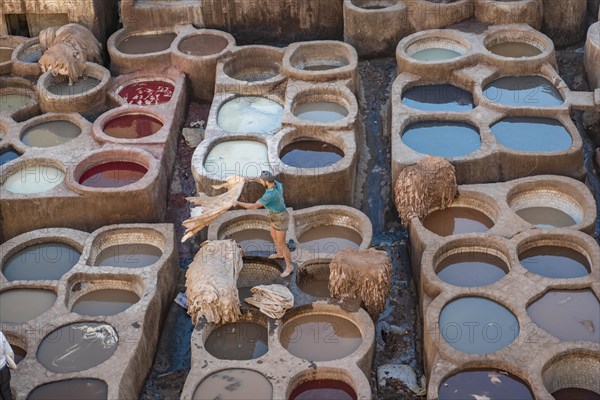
546, 217
442, 139
63, 88
250, 115
320, 111
555, 262
238, 341
21, 305
13, 102
457, 220
471, 269
113, 175
234, 384
323, 389
438, 98
143, 44
237, 157
132, 126
43, 261
523, 91
532, 134
203, 45
484, 384
37, 179
147, 93
310, 154
71, 389
104, 302
330, 239
131, 255
515, 50
435, 54
50, 134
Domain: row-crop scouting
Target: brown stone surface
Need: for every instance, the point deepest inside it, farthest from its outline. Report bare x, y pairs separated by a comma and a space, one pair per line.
592, 56
564, 21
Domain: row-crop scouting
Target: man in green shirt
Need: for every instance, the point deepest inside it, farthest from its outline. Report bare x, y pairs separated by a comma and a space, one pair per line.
273, 202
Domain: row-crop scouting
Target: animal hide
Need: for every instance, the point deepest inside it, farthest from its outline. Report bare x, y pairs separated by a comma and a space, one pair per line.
271, 300
361, 274
67, 49
423, 186
211, 282
210, 208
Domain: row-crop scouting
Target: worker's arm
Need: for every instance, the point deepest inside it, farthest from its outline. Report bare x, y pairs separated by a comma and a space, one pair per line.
248, 206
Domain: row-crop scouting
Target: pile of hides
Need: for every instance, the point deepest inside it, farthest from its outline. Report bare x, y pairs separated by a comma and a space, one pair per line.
271, 300
431, 183
210, 208
211, 282
361, 274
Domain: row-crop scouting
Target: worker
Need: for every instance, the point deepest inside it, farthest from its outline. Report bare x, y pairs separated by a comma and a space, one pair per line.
7, 363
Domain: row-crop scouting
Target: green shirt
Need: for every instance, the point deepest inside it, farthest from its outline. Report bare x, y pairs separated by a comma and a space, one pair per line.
272, 200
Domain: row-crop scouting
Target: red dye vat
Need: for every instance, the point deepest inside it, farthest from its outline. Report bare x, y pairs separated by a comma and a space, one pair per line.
132, 126
147, 93
113, 175
323, 389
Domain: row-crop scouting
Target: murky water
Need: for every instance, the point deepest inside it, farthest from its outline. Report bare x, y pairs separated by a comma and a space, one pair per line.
546, 217
310, 154
237, 157
130, 255
203, 45
457, 220
435, 54
77, 347
320, 337
471, 269
250, 114
438, 98
50, 134
515, 49
72, 389
31, 54
575, 394
144, 44
113, 175
62, 87
238, 341
443, 139
476, 325
323, 389
330, 239
523, 91
5, 54
253, 240
43, 261
321, 67
7, 155
555, 262
320, 111
21, 305
316, 287
104, 302
148, 93
234, 384
484, 384
568, 314
532, 134
13, 102
132, 126
36, 179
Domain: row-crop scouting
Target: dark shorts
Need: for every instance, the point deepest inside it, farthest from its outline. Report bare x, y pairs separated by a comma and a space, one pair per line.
281, 221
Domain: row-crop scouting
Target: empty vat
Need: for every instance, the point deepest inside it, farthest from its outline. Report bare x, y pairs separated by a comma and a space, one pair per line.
42, 261
71, 389
128, 255
323, 389
448, 98
253, 240
34, 179
238, 341
77, 347
62, 87
514, 49
7, 155
471, 269
568, 314
555, 262
113, 174
132, 126
203, 45
320, 337
330, 238
442, 138
310, 154
476, 325
147, 43
50, 134
146, 93
5, 54
104, 302
237, 157
234, 384
250, 114
13, 101
523, 91
546, 217
457, 220
532, 134
484, 384
21, 305
320, 111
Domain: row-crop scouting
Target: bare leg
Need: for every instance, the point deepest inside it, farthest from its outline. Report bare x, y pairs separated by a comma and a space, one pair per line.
274, 237
279, 239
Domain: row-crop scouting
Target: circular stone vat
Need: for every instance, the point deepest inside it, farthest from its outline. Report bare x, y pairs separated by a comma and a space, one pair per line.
146, 43
5, 54
132, 126
316, 57
330, 238
253, 240
77, 347
113, 174
320, 337
320, 111
253, 64
36, 179
568, 314
310, 154
323, 389
42, 261
7, 155
30, 52
242, 157
21, 305
250, 114
484, 384
555, 262
457, 220
234, 384
238, 341
514, 49
476, 325
575, 393
147, 92
573, 376
523, 91
447, 98
471, 268
373, 4
532, 134
13, 101
545, 208
435, 49
442, 138
256, 272
60, 85
546, 217
313, 278
104, 302
128, 255
71, 389
50, 134
202, 45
